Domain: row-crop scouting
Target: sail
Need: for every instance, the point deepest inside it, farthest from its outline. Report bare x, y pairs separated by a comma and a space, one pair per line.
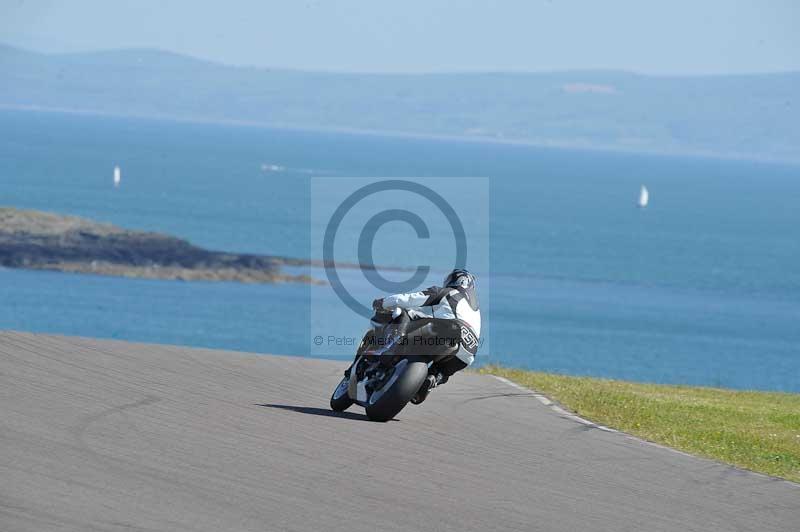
644, 197
117, 176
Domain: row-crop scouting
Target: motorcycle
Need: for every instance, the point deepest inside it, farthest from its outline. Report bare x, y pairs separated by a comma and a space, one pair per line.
390, 368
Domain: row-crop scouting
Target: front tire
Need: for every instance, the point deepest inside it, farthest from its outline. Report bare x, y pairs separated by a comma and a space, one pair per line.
388, 401
340, 401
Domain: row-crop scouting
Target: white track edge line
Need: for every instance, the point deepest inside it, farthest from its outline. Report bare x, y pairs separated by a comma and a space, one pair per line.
553, 406
574, 417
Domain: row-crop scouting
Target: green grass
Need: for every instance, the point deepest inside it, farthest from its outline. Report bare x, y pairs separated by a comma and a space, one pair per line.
759, 431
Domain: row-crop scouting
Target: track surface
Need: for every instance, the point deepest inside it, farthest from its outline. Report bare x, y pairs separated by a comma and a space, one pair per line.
103, 435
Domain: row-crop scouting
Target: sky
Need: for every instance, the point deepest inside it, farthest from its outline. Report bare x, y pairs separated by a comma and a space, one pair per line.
664, 37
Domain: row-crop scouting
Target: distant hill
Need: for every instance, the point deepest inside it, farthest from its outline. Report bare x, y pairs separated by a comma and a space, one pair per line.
752, 116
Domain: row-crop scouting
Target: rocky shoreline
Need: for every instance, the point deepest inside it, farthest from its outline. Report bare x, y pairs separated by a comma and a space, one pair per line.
46, 241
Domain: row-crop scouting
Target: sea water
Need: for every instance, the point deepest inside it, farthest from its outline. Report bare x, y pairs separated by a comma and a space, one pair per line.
701, 287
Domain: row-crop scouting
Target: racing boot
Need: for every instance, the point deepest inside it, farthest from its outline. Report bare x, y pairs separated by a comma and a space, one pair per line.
430, 382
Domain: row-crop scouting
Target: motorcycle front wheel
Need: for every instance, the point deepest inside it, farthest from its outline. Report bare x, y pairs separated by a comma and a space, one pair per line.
405, 380
340, 401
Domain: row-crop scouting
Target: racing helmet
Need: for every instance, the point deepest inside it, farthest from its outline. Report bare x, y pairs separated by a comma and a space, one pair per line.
460, 278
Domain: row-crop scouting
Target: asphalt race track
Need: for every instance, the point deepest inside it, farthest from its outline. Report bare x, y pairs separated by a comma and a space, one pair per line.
114, 436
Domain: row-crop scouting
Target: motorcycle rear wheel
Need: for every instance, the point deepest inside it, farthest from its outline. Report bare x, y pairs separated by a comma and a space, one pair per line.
405, 381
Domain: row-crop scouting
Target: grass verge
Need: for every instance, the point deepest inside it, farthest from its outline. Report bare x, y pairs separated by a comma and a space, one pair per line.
759, 431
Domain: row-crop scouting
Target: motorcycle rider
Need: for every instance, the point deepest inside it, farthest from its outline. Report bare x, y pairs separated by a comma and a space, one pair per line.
449, 310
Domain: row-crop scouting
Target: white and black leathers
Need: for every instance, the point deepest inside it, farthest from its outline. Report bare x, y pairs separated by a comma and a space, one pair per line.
458, 303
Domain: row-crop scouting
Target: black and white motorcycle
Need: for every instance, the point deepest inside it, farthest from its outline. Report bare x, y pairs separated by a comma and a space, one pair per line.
389, 370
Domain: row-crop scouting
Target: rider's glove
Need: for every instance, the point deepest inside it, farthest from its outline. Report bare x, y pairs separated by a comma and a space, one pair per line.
377, 305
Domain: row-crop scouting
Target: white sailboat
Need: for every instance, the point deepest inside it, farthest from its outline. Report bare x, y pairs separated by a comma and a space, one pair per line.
644, 197
117, 176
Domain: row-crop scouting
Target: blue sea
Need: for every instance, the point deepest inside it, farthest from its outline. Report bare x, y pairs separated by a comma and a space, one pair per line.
702, 287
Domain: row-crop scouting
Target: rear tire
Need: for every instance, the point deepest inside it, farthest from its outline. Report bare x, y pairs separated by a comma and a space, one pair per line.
398, 391
340, 401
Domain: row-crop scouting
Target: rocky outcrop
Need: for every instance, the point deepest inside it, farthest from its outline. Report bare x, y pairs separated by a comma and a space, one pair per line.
47, 241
